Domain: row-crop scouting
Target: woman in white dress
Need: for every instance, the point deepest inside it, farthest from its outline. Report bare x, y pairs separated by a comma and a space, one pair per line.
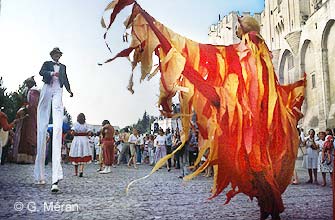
151, 150
312, 156
80, 152
160, 144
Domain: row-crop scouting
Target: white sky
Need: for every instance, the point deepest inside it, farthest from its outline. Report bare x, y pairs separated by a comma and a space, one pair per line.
29, 29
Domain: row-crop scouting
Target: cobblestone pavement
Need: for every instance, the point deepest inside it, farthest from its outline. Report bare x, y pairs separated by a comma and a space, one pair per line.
161, 196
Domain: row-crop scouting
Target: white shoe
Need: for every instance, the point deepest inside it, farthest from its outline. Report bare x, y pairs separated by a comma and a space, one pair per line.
106, 170
40, 182
54, 188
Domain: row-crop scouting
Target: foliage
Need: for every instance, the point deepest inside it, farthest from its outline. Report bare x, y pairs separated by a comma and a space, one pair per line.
11, 102
69, 118
143, 125
5, 100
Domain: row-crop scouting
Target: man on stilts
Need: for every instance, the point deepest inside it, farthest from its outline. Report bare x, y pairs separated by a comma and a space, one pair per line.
54, 78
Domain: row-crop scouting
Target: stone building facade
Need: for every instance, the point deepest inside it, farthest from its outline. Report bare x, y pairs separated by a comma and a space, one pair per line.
299, 33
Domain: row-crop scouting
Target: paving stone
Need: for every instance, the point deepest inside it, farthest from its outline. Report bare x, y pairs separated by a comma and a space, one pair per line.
159, 197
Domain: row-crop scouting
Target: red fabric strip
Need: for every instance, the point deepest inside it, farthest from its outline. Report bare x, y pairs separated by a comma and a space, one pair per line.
123, 53
81, 159
80, 134
165, 44
204, 88
208, 59
119, 6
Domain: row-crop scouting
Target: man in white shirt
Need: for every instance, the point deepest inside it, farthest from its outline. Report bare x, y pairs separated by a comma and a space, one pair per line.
96, 147
139, 148
54, 78
133, 138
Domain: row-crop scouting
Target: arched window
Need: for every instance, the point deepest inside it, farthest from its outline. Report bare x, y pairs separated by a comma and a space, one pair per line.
286, 68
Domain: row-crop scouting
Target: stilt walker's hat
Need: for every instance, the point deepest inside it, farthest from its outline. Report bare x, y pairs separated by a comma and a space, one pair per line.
55, 51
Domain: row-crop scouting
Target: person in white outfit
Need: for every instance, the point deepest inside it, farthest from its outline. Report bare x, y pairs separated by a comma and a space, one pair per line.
312, 156
160, 144
133, 139
54, 78
151, 149
96, 147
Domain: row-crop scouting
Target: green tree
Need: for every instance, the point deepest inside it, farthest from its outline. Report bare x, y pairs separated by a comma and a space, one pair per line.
17, 100
152, 119
69, 118
5, 100
143, 125
11, 102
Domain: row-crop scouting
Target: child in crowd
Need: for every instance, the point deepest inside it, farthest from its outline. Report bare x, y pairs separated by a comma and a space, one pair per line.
68, 137
96, 147
64, 153
145, 155
118, 147
151, 150
118, 150
80, 152
326, 150
101, 155
175, 144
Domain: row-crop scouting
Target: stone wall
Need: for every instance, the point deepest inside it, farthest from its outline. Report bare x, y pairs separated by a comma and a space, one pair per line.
300, 35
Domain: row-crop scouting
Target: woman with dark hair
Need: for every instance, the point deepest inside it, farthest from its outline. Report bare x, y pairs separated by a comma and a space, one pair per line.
80, 152
193, 147
329, 132
107, 133
176, 143
124, 153
312, 156
160, 144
